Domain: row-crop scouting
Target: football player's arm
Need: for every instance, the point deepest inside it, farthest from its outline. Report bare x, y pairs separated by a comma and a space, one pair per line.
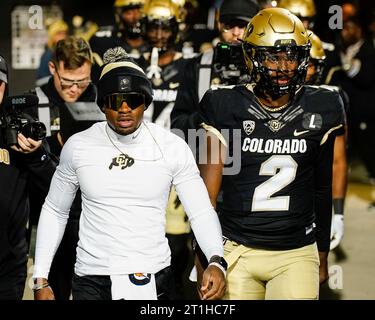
340, 168
53, 219
214, 145
203, 219
339, 185
323, 203
211, 171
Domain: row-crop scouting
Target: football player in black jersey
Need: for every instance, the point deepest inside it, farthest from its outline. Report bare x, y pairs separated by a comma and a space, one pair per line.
163, 65
126, 33
276, 212
340, 167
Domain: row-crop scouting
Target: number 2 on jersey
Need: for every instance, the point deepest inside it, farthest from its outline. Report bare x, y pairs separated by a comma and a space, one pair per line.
262, 199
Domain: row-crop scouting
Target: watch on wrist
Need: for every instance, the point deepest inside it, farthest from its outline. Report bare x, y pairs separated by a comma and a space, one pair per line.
219, 260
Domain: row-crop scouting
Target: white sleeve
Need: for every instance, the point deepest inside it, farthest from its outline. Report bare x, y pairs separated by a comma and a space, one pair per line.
194, 197
55, 212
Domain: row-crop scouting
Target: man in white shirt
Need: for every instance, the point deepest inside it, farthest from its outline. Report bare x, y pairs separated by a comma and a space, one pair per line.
125, 168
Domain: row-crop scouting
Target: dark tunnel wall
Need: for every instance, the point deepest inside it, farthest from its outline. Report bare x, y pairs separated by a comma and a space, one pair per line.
101, 12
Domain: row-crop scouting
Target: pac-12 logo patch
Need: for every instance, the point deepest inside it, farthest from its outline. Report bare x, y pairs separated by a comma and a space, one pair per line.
248, 126
140, 279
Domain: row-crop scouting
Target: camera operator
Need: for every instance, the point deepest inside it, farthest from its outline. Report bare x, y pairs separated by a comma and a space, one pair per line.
70, 83
205, 71
19, 164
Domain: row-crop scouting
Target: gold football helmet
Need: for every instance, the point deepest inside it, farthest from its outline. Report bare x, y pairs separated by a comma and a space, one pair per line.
276, 35
162, 10
317, 58
128, 3
316, 51
164, 15
129, 28
303, 9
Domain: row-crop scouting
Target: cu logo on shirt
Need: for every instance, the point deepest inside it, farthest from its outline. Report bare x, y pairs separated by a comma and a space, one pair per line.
123, 161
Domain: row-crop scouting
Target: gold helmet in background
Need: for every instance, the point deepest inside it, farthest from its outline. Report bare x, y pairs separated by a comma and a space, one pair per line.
316, 51
162, 10
128, 3
181, 7
303, 9
130, 29
162, 14
317, 58
271, 32
56, 30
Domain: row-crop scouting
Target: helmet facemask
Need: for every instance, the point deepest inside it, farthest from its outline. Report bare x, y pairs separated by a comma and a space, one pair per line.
131, 30
277, 70
160, 29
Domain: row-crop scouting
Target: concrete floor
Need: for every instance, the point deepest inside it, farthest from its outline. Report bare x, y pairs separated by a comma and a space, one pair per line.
356, 254
352, 265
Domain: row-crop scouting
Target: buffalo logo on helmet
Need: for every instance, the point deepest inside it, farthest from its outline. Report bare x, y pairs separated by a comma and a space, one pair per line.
248, 126
140, 279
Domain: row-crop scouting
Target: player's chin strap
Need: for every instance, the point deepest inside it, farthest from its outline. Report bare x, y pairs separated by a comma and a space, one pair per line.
154, 71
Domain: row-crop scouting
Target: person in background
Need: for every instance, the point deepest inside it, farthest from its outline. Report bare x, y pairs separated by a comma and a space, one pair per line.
163, 65
21, 163
56, 31
70, 67
200, 73
354, 72
340, 167
126, 33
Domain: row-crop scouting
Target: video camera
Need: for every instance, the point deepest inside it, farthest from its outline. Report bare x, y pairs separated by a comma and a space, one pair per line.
229, 62
15, 120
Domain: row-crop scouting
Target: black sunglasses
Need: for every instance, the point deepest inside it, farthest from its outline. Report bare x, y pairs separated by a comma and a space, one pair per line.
132, 99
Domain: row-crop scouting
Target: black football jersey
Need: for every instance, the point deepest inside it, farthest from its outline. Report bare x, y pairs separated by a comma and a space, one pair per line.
164, 90
284, 176
110, 38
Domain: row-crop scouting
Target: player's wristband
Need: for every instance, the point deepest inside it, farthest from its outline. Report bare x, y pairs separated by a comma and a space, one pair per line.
338, 206
38, 287
219, 266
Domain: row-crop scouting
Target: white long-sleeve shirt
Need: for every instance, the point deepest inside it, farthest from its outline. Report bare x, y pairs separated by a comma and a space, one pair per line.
122, 225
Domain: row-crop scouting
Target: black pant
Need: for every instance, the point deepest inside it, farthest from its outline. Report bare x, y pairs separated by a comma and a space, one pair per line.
12, 288
180, 261
62, 268
99, 287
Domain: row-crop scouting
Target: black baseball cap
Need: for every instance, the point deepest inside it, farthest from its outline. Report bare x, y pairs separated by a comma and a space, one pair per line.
243, 10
